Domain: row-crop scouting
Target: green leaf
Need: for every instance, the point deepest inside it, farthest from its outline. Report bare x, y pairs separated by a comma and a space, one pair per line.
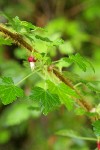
47, 100
98, 109
51, 86
8, 91
42, 38
94, 86
62, 63
22, 26
96, 128
57, 42
80, 61
7, 80
64, 92
29, 25
41, 46
5, 41
16, 24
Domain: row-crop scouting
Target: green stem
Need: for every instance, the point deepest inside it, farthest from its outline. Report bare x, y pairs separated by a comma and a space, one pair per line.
78, 84
56, 61
27, 76
86, 138
83, 138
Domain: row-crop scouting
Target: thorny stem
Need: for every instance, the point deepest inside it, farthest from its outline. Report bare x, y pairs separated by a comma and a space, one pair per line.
17, 38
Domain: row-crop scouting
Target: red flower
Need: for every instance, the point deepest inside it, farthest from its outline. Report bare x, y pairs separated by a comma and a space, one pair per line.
31, 59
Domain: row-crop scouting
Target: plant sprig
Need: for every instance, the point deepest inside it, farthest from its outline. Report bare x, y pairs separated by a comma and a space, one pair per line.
63, 91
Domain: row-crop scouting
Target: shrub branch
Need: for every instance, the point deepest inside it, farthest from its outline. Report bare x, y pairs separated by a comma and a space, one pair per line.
17, 38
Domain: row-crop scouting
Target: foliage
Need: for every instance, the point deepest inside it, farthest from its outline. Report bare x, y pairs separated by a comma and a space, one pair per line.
96, 127
63, 83
8, 91
47, 100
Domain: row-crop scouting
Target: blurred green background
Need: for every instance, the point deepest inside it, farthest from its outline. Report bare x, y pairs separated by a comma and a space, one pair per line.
77, 22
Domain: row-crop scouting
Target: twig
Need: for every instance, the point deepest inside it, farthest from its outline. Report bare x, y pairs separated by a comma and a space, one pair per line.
17, 38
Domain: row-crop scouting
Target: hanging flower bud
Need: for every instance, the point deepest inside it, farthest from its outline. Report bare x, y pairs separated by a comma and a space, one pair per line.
32, 61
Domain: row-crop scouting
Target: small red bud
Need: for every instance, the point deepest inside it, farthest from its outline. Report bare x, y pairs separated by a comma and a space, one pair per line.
98, 145
31, 59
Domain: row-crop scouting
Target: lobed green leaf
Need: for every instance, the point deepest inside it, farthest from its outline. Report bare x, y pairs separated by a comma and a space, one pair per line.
79, 60
65, 93
8, 91
46, 99
4, 41
96, 128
